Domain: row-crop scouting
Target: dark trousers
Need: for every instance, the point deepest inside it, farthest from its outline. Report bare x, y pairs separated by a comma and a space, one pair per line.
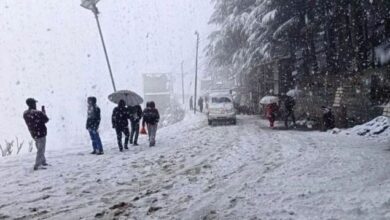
119, 132
134, 132
328, 122
96, 142
41, 148
290, 113
152, 131
271, 120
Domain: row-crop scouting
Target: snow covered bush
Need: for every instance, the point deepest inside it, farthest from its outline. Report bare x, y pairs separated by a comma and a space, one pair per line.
377, 128
172, 115
10, 147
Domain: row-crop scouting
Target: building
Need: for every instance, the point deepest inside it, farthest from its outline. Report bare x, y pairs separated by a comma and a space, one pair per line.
158, 87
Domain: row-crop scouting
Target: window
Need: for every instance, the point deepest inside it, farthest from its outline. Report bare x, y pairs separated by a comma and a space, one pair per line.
220, 100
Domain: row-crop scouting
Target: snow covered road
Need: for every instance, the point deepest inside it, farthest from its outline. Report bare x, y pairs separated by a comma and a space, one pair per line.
199, 172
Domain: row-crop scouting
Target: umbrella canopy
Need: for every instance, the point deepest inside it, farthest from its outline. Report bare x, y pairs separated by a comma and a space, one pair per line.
131, 98
269, 100
294, 93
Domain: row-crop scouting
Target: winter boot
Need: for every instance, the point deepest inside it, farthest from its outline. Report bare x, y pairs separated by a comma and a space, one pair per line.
100, 153
39, 168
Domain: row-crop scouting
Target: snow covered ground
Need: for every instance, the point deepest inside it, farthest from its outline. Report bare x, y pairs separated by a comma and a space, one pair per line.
378, 128
199, 172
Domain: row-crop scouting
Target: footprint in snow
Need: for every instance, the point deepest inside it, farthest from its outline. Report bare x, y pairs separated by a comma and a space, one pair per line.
151, 210
193, 171
211, 215
233, 203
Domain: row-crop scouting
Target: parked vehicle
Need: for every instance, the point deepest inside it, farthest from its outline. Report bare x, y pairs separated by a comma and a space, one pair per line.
221, 108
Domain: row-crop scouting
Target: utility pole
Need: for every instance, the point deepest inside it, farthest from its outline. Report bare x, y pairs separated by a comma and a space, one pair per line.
182, 81
196, 69
105, 50
91, 5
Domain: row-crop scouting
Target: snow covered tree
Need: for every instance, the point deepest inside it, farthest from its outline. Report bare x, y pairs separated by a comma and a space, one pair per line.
229, 40
320, 37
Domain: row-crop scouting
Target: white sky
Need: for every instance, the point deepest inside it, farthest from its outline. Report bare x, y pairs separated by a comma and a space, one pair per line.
51, 50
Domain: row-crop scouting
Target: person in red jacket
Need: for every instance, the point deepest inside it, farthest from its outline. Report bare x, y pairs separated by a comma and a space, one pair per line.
271, 111
36, 122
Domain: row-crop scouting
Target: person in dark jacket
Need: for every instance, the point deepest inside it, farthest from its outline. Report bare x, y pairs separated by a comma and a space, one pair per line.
200, 104
120, 123
135, 119
289, 105
36, 123
328, 118
191, 104
93, 122
151, 117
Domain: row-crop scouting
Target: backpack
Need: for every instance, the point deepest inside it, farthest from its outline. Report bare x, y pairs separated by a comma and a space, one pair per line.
151, 116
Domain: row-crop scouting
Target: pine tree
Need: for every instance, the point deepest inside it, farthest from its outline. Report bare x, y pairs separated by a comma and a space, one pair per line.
320, 37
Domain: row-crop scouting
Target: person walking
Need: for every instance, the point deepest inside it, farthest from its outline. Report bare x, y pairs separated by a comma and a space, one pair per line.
120, 117
206, 100
151, 118
36, 124
191, 104
135, 118
289, 105
93, 123
200, 104
271, 111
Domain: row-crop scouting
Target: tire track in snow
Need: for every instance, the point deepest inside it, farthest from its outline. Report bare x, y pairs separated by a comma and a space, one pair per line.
239, 161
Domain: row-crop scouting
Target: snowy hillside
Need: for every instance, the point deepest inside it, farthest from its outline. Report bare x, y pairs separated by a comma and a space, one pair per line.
199, 172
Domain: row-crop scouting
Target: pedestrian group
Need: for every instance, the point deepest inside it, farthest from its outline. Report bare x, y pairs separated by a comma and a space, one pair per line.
272, 111
36, 122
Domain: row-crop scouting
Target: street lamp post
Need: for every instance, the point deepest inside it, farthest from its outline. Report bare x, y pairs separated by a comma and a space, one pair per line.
182, 81
196, 69
91, 5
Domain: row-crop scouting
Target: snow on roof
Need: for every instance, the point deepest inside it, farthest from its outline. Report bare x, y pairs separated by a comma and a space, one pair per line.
219, 93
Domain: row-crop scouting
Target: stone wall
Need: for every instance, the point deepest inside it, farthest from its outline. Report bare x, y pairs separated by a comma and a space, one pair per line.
386, 111
348, 98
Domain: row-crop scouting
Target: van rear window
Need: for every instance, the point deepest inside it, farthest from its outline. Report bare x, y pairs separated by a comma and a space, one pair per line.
220, 100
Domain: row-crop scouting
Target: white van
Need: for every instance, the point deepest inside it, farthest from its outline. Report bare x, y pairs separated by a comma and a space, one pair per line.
221, 108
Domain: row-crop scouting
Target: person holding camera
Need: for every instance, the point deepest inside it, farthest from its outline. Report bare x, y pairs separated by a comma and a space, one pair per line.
36, 122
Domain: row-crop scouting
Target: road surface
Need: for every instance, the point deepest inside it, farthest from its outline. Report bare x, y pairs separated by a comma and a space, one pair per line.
247, 171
